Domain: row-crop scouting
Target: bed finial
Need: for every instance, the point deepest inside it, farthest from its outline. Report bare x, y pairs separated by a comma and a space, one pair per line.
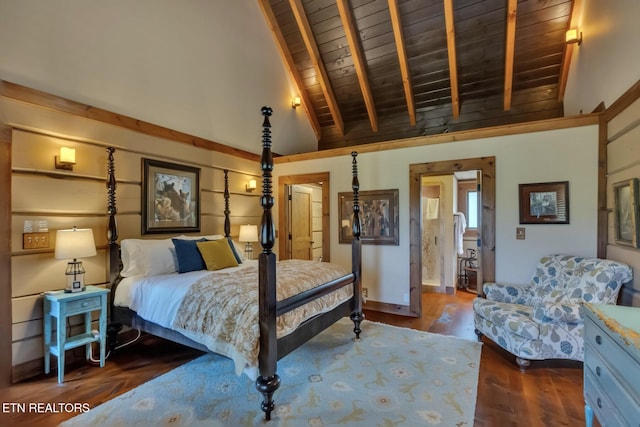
267, 227
355, 185
227, 212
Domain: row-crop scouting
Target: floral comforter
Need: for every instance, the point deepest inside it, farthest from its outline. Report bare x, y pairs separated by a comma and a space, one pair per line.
221, 311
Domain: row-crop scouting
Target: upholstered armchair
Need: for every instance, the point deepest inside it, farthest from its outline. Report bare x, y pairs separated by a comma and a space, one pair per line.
542, 320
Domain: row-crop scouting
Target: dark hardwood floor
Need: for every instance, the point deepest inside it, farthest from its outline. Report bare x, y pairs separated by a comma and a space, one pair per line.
548, 394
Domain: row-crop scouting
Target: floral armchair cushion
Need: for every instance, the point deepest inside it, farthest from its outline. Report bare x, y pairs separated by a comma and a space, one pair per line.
550, 303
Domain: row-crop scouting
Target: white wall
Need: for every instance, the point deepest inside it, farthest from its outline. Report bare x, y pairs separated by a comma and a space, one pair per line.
204, 67
558, 155
607, 63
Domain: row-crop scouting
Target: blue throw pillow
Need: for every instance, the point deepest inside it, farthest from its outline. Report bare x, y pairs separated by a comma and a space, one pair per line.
189, 258
235, 252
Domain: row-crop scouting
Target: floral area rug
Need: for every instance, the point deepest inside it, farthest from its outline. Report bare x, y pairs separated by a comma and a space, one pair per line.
392, 377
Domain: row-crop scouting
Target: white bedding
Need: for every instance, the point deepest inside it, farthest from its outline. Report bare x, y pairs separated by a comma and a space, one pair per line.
157, 298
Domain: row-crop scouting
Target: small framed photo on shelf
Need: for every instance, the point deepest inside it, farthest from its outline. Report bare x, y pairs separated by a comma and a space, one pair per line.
544, 203
170, 197
625, 211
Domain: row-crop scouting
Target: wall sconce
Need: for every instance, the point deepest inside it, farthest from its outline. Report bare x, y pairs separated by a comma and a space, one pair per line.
251, 185
573, 36
295, 102
66, 159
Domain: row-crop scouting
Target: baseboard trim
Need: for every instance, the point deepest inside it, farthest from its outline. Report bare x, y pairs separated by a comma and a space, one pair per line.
384, 307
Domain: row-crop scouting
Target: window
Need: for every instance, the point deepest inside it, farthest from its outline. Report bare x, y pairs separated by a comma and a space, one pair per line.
472, 209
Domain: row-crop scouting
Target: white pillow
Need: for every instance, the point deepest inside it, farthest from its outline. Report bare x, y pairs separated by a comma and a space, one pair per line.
211, 237
147, 257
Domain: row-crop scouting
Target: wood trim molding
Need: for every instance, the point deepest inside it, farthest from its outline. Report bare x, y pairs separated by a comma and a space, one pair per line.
486, 233
603, 213
490, 132
312, 178
384, 307
53, 102
625, 100
5, 257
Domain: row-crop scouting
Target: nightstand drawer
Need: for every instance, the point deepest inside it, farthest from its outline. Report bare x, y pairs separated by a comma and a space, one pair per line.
617, 357
619, 391
83, 305
603, 408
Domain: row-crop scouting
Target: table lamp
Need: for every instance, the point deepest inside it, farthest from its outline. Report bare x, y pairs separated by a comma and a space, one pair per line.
248, 234
75, 243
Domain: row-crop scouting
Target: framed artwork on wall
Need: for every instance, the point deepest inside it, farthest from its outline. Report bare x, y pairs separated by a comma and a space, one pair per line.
625, 211
379, 217
170, 197
544, 203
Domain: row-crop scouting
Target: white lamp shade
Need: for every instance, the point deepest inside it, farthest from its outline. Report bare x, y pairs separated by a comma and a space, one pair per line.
75, 243
248, 233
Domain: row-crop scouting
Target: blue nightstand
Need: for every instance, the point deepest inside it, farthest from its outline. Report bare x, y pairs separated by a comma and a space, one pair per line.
62, 305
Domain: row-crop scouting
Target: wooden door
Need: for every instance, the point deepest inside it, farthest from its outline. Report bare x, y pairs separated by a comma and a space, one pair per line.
301, 222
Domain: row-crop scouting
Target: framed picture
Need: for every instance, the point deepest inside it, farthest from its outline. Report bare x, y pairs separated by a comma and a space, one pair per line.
170, 197
379, 217
544, 203
626, 212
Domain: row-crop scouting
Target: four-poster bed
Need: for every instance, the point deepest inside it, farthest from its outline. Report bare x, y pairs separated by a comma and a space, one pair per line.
337, 295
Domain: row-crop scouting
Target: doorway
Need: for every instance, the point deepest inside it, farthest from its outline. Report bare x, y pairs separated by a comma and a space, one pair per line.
486, 230
303, 216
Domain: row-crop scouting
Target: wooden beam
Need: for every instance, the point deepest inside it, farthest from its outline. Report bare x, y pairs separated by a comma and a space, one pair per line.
316, 60
402, 58
358, 61
270, 17
510, 45
576, 11
451, 49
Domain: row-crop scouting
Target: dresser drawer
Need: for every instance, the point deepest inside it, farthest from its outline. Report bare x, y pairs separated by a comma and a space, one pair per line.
83, 305
602, 407
626, 366
618, 390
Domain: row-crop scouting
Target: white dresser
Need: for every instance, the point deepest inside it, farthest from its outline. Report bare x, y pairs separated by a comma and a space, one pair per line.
612, 365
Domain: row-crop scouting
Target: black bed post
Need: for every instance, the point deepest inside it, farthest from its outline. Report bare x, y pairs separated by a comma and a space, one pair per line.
357, 316
113, 261
227, 212
268, 381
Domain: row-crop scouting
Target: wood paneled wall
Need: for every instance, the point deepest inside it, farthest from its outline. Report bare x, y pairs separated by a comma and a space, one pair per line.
623, 163
79, 198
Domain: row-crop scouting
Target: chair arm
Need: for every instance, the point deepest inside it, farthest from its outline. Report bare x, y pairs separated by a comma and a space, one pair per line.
513, 294
558, 312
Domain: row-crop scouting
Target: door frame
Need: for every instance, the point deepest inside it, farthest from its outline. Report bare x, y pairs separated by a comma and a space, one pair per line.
486, 234
311, 178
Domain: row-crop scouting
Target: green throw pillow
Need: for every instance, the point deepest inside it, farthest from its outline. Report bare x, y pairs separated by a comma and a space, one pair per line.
217, 254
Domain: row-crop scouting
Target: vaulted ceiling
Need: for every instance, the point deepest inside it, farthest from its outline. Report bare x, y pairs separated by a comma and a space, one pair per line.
376, 70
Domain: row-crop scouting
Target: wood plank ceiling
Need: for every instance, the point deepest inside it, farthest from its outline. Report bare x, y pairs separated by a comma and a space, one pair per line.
378, 70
